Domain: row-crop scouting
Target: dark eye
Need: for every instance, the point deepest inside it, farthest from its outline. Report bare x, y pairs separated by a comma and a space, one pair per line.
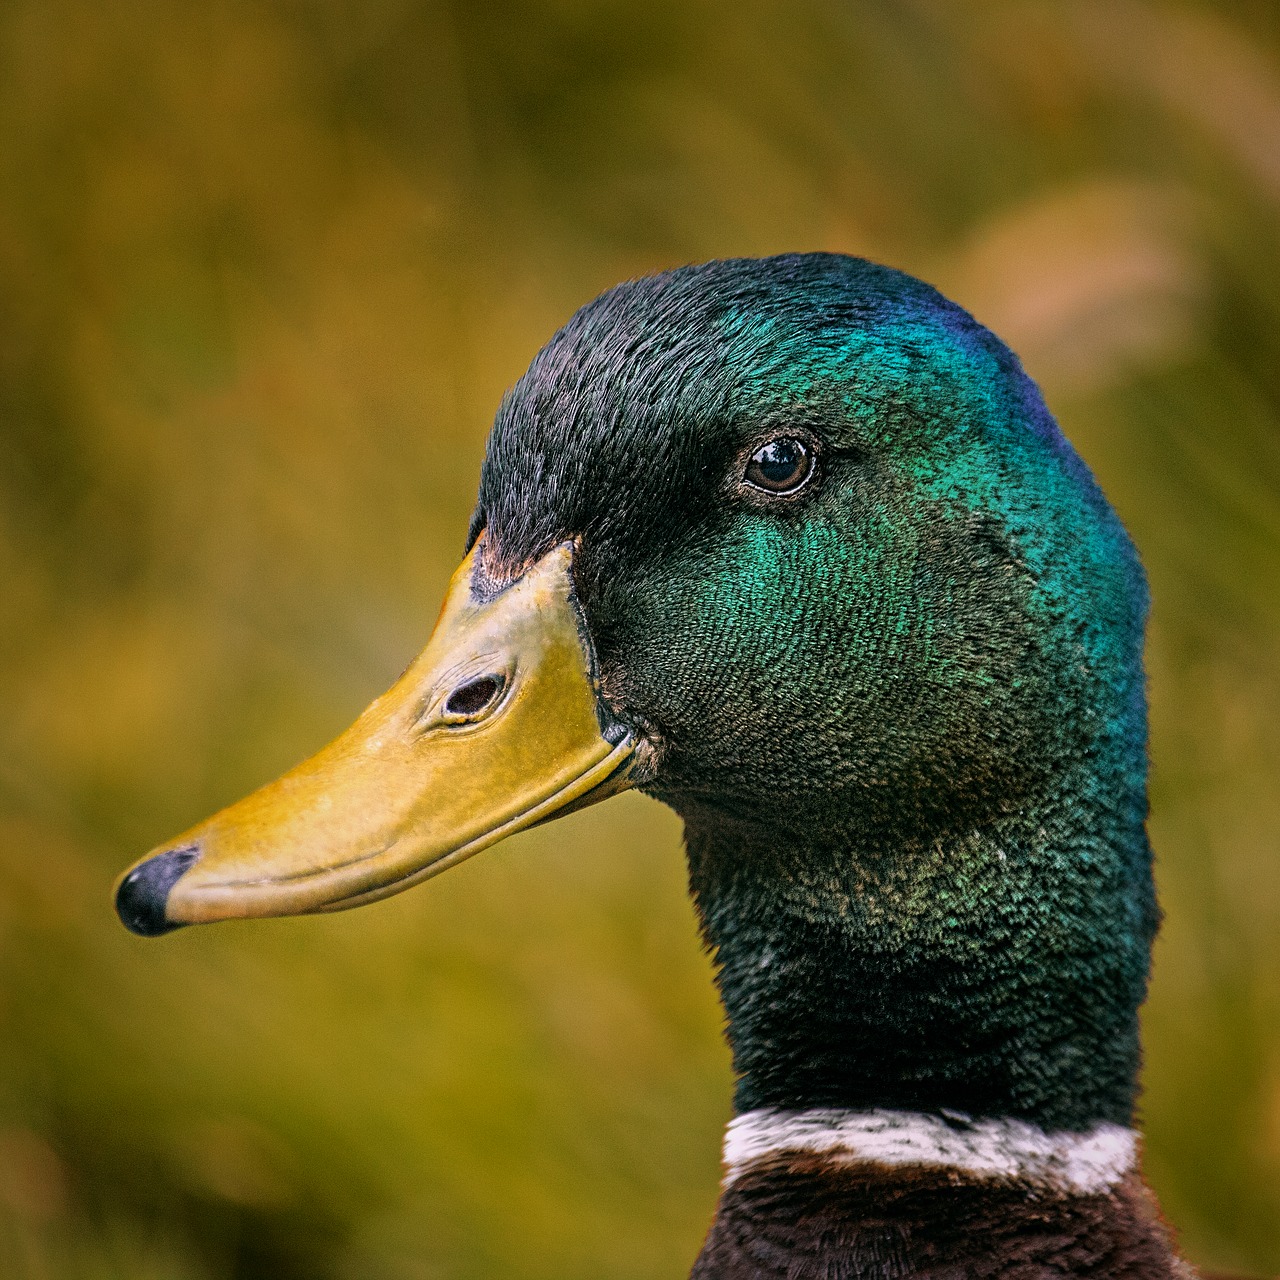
781, 466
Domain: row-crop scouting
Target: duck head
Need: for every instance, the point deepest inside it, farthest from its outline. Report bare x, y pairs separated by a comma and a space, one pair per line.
794, 546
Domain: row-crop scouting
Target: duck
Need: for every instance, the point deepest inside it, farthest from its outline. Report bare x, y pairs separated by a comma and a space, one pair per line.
794, 545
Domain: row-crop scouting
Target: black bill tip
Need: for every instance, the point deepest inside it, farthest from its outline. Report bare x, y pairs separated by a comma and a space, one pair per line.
144, 891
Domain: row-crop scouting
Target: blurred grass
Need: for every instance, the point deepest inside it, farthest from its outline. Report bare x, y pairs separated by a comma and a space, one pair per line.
265, 269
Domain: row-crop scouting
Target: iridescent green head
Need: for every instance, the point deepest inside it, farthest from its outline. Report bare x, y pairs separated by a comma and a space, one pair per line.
838, 564
794, 545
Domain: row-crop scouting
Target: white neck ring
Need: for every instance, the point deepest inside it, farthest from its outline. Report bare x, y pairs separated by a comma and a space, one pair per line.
1085, 1163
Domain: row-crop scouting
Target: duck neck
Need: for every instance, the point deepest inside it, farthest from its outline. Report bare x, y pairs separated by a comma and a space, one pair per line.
994, 972
936, 1046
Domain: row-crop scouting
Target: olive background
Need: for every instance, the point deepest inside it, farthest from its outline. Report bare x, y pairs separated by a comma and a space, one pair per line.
266, 267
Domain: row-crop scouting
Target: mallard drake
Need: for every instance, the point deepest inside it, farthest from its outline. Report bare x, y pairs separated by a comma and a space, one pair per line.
795, 546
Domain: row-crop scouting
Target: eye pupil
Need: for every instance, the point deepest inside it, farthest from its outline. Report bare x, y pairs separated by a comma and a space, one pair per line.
779, 461
781, 466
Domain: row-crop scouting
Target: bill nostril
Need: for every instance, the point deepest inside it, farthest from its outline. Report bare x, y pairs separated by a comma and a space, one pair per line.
468, 700
141, 898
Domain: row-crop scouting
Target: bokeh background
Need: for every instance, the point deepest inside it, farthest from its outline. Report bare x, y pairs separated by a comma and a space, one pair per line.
266, 267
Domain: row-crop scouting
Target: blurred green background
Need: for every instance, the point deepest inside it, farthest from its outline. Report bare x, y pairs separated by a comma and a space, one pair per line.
266, 267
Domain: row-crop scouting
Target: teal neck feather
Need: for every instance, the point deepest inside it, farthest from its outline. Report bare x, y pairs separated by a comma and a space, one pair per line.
944, 975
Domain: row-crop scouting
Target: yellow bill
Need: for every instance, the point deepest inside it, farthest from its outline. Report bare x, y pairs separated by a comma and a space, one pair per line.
496, 726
